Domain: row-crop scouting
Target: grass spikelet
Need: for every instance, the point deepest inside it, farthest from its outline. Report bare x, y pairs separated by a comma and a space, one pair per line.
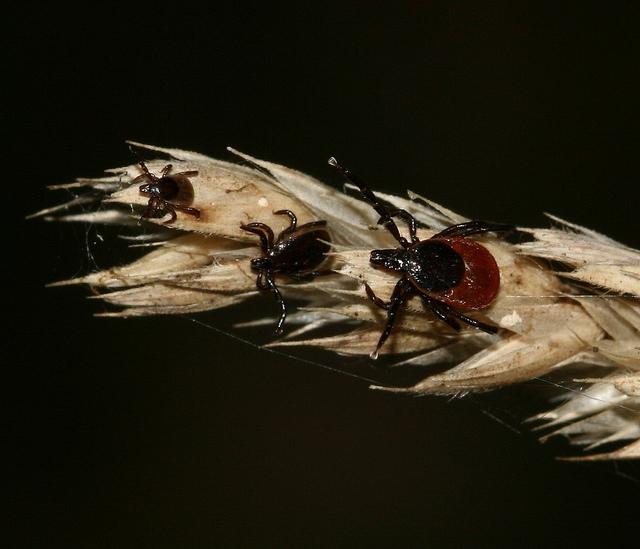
568, 301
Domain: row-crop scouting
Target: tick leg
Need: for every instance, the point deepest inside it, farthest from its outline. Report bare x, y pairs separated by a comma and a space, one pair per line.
292, 217
401, 293
166, 170
311, 224
154, 207
367, 194
441, 314
472, 227
407, 218
141, 163
283, 315
169, 207
260, 282
306, 277
186, 209
186, 174
148, 212
141, 177
449, 311
373, 297
263, 231
488, 328
144, 168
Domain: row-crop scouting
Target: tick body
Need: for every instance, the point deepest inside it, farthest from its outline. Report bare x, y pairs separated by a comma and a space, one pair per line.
448, 271
297, 252
458, 271
167, 192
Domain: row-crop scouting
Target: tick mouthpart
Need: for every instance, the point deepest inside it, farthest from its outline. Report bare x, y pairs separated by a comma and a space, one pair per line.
145, 188
390, 259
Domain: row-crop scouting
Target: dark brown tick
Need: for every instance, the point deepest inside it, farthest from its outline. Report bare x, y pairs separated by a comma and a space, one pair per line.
448, 271
297, 252
167, 193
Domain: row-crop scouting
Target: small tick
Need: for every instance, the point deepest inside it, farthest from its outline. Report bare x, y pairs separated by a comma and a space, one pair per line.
448, 271
167, 193
297, 252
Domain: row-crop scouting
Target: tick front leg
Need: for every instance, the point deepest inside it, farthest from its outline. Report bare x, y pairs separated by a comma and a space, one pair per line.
373, 297
367, 194
263, 231
402, 292
141, 163
142, 177
473, 227
488, 328
292, 217
407, 218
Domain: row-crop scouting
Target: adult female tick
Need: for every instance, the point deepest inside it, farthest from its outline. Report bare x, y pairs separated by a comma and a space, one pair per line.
166, 193
297, 252
448, 271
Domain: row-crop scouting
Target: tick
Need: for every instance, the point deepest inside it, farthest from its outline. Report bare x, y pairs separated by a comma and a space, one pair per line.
297, 252
448, 271
167, 193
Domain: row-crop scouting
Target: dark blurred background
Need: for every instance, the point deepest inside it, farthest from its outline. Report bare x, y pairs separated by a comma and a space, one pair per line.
160, 433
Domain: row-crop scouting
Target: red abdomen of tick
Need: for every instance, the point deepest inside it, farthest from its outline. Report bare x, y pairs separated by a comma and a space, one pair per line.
481, 280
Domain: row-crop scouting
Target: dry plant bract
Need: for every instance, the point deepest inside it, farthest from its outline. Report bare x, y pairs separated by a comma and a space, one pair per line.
568, 302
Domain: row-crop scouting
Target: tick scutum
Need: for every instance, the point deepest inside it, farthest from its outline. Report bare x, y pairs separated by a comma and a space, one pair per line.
434, 266
302, 251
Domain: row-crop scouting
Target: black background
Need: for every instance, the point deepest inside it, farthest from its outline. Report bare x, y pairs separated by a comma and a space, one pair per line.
157, 432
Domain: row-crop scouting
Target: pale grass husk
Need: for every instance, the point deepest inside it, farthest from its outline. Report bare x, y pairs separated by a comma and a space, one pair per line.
568, 296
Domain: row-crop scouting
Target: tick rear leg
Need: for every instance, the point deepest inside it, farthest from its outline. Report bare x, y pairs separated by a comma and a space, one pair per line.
446, 312
186, 209
292, 217
472, 227
401, 293
263, 231
165, 171
443, 315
